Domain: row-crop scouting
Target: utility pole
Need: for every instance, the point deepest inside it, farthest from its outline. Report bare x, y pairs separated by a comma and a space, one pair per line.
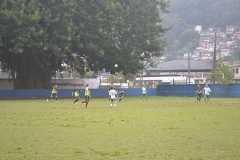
214, 56
189, 68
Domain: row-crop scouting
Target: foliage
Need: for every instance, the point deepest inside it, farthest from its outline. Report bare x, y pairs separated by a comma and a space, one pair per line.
235, 56
36, 37
224, 75
218, 13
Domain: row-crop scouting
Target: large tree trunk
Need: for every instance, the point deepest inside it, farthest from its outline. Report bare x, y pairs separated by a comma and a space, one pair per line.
27, 74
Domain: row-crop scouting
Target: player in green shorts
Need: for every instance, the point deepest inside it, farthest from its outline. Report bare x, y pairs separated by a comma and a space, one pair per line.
109, 96
76, 93
207, 92
144, 93
113, 94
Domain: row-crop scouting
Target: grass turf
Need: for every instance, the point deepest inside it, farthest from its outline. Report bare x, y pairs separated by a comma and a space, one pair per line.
163, 128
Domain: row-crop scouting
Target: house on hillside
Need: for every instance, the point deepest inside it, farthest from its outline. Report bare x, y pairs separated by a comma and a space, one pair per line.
213, 30
206, 54
236, 69
229, 29
203, 42
236, 36
198, 28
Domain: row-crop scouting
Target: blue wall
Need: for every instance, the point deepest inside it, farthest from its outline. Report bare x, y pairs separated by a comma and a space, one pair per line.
162, 90
190, 90
67, 93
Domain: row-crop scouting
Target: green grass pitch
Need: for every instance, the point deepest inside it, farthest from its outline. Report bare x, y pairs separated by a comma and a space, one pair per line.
163, 128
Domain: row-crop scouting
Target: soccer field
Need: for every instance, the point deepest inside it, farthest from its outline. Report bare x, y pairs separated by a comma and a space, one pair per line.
163, 128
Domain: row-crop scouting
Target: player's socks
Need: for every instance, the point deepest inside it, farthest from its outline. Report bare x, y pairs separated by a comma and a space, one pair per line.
115, 105
75, 101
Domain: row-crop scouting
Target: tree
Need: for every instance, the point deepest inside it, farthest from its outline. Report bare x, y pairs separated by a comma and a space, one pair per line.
34, 38
37, 36
175, 46
224, 75
119, 32
235, 55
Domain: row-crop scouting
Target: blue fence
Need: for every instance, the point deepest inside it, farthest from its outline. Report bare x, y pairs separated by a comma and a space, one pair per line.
67, 93
162, 90
189, 90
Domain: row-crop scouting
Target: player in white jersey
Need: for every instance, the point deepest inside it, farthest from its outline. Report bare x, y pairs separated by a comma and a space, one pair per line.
113, 93
207, 92
144, 93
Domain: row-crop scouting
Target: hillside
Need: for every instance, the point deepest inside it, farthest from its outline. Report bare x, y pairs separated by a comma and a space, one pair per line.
186, 14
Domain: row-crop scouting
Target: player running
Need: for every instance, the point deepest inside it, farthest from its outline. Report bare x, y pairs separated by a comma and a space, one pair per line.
76, 93
109, 96
207, 92
199, 91
144, 93
87, 96
54, 93
120, 96
113, 94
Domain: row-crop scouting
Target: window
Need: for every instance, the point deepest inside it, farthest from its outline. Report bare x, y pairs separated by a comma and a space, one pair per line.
236, 70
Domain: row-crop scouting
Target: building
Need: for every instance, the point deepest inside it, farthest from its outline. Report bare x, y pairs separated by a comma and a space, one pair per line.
181, 71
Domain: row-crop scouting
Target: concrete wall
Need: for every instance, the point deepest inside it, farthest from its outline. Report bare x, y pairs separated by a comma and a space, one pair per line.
67, 83
62, 83
6, 84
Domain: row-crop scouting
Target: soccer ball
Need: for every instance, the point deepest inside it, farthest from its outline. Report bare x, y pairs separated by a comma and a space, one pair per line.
116, 65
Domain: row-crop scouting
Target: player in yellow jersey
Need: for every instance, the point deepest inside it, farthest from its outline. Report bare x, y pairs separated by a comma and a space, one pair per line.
76, 93
54, 93
87, 96
199, 91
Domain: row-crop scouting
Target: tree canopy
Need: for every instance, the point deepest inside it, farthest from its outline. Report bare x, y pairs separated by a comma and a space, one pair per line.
223, 74
37, 36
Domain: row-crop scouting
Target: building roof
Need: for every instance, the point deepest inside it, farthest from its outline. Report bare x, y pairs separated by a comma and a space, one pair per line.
181, 65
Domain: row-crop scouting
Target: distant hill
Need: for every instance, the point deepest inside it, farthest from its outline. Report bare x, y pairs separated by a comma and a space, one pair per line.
185, 14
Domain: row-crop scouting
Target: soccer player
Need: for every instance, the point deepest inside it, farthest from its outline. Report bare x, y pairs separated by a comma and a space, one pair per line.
87, 96
199, 91
76, 93
207, 92
120, 96
113, 94
54, 93
109, 96
144, 93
